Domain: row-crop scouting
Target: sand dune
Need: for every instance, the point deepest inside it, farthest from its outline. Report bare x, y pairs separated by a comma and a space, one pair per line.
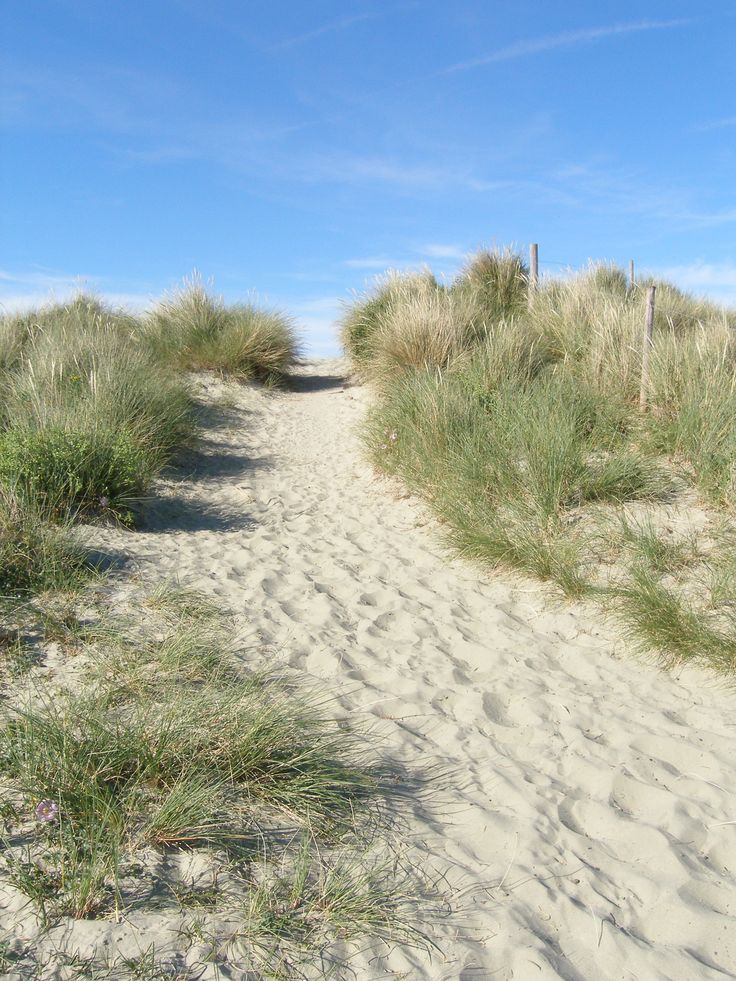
588, 803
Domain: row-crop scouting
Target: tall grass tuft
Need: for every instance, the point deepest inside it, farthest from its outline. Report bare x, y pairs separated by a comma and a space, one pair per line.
194, 331
365, 318
36, 555
89, 418
498, 282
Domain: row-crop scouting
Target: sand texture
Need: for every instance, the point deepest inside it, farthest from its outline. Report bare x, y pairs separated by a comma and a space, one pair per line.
584, 798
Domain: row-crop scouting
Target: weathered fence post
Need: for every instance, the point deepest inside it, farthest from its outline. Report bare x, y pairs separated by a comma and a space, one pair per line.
646, 351
533, 269
632, 279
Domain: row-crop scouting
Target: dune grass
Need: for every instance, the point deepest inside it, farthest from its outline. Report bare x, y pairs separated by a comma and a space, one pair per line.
194, 331
37, 555
94, 402
516, 417
88, 417
167, 744
157, 742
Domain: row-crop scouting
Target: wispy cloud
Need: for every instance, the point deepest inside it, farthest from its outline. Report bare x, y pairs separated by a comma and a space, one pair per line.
334, 25
349, 168
714, 124
566, 39
316, 320
619, 192
714, 280
111, 98
375, 262
440, 250
417, 258
703, 275
36, 287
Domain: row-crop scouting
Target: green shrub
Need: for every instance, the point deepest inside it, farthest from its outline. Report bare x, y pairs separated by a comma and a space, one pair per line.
76, 470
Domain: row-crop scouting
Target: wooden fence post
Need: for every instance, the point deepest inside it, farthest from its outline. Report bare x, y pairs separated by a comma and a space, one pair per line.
646, 351
533, 268
632, 280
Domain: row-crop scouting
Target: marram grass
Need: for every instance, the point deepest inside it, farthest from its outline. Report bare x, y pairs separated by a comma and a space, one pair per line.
168, 745
194, 330
515, 414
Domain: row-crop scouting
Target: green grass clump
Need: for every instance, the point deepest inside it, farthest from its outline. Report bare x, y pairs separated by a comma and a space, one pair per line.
508, 468
193, 330
498, 282
36, 555
365, 319
516, 416
662, 619
167, 744
89, 418
694, 400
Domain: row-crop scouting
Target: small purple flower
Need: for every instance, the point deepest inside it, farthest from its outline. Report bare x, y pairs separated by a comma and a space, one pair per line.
104, 502
47, 810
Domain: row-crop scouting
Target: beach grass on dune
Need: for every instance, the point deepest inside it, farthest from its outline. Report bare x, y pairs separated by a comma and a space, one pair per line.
515, 414
95, 402
168, 744
88, 417
159, 743
37, 555
197, 331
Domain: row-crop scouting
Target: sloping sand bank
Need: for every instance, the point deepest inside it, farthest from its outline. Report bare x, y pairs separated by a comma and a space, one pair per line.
588, 796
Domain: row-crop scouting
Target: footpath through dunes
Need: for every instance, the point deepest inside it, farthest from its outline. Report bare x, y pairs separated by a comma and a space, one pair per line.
587, 796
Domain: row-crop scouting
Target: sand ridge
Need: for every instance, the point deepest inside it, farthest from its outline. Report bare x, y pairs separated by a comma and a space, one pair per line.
589, 806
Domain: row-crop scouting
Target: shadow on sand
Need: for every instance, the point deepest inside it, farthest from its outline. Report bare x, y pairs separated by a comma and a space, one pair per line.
208, 461
178, 513
316, 383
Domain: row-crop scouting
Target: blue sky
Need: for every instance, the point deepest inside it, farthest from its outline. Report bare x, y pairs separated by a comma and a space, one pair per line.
293, 150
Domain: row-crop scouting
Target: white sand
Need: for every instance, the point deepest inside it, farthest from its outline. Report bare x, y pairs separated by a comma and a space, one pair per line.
588, 796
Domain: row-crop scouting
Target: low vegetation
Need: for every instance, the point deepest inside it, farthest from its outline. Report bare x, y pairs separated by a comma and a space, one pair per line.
37, 555
515, 414
158, 743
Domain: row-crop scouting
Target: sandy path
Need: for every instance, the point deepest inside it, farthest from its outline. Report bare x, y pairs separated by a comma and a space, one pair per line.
591, 795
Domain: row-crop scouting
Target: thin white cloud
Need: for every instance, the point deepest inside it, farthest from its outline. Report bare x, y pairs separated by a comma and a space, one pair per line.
347, 168
34, 288
703, 275
439, 250
714, 124
566, 39
705, 219
316, 319
335, 25
714, 280
43, 280
373, 262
